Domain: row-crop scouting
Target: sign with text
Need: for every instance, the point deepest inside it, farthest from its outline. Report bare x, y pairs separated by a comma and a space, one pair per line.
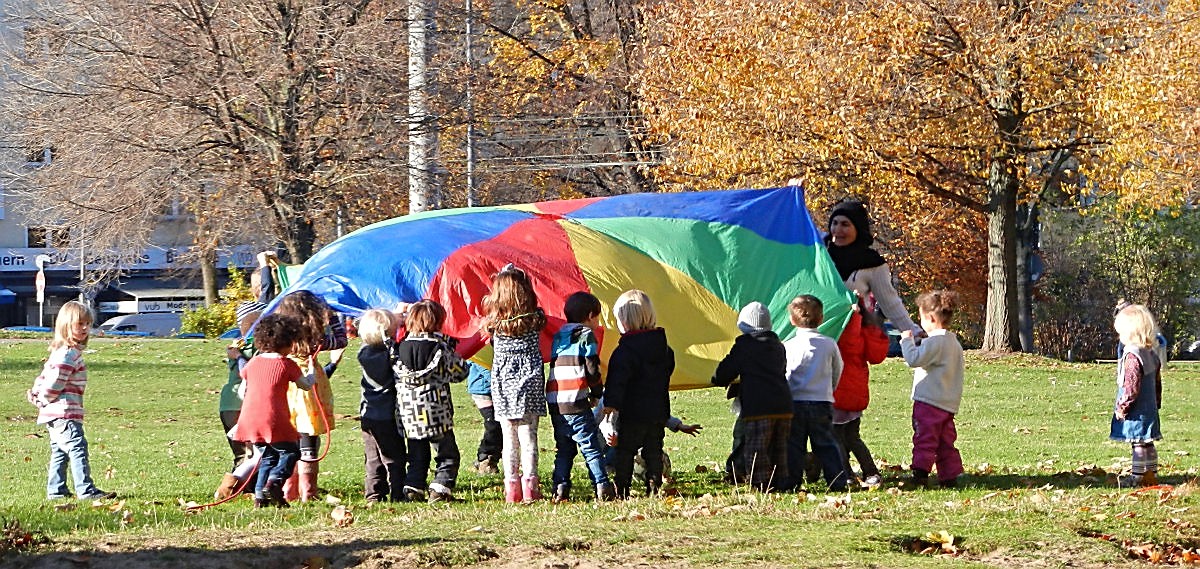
23, 258
135, 306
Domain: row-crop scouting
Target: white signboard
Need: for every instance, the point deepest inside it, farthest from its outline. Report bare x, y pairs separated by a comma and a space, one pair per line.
136, 306
22, 259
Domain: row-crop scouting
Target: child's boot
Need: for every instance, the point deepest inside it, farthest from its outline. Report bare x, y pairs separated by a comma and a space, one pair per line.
1150, 478
531, 488
308, 480
920, 478
562, 493
275, 495
512, 490
228, 484
606, 492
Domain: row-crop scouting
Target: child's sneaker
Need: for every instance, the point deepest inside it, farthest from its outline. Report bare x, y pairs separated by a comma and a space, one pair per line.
951, 483
486, 467
562, 493
99, 495
1137, 480
439, 493
872, 481
606, 492
414, 494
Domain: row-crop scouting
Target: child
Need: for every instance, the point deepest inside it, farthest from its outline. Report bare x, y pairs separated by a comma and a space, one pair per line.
518, 379
383, 443
938, 369
636, 393
572, 391
426, 364
491, 444
759, 359
265, 420
237, 355
321, 329
58, 394
1139, 393
863, 342
814, 367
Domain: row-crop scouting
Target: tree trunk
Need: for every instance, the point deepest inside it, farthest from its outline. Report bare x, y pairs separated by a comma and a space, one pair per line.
1027, 219
208, 277
301, 235
1000, 331
422, 126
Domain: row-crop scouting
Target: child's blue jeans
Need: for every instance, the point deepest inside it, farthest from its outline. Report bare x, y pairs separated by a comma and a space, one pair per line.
68, 445
570, 431
276, 463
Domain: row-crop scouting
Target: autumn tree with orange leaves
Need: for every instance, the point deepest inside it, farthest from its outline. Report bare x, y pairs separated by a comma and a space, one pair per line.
967, 112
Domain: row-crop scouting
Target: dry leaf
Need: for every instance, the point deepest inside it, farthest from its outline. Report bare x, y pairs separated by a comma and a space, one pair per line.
332, 500
342, 516
65, 507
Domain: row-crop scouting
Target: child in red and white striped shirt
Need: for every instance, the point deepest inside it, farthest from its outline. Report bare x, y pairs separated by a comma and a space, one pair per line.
58, 394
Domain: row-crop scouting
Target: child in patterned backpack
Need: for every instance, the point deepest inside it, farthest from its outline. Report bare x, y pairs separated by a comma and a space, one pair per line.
425, 365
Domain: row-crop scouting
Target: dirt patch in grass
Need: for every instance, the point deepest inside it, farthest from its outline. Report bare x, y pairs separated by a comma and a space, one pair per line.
320, 551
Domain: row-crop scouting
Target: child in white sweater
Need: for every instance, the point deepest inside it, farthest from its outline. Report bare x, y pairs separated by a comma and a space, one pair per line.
938, 368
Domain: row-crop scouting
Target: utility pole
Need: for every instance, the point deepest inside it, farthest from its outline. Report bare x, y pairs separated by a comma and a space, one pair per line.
423, 192
470, 109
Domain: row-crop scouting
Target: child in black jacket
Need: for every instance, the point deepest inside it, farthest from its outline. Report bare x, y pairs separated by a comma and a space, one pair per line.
639, 376
758, 358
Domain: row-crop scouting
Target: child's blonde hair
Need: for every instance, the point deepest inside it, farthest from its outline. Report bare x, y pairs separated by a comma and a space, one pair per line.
512, 306
1136, 326
634, 312
374, 326
806, 311
69, 315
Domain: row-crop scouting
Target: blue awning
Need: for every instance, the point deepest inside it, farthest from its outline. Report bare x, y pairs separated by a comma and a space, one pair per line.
7, 296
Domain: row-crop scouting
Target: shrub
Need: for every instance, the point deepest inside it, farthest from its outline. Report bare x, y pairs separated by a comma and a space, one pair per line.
213, 320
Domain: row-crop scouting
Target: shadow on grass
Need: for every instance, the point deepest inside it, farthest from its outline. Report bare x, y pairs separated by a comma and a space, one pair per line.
1068, 480
366, 554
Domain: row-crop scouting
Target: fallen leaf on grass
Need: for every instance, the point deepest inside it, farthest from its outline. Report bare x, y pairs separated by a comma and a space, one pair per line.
1178, 524
64, 507
836, 501
33, 436
332, 500
110, 473
939, 542
342, 516
701, 511
632, 516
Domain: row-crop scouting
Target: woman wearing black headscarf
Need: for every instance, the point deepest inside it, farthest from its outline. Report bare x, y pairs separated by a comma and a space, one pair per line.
861, 267
863, 341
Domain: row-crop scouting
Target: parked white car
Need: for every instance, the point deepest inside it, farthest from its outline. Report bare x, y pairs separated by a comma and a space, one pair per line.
146, 323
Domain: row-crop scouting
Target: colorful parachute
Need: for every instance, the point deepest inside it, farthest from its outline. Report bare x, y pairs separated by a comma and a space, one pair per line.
700, 256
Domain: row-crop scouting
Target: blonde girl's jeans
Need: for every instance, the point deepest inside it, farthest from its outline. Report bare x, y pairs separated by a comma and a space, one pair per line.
68, 446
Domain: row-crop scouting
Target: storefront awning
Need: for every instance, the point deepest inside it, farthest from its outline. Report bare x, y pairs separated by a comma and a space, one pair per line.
7, 296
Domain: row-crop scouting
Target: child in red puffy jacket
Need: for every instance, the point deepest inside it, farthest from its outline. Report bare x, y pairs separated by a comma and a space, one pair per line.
863, 342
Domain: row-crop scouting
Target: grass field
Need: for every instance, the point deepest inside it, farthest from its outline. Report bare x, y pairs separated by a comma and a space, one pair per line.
1032, 433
